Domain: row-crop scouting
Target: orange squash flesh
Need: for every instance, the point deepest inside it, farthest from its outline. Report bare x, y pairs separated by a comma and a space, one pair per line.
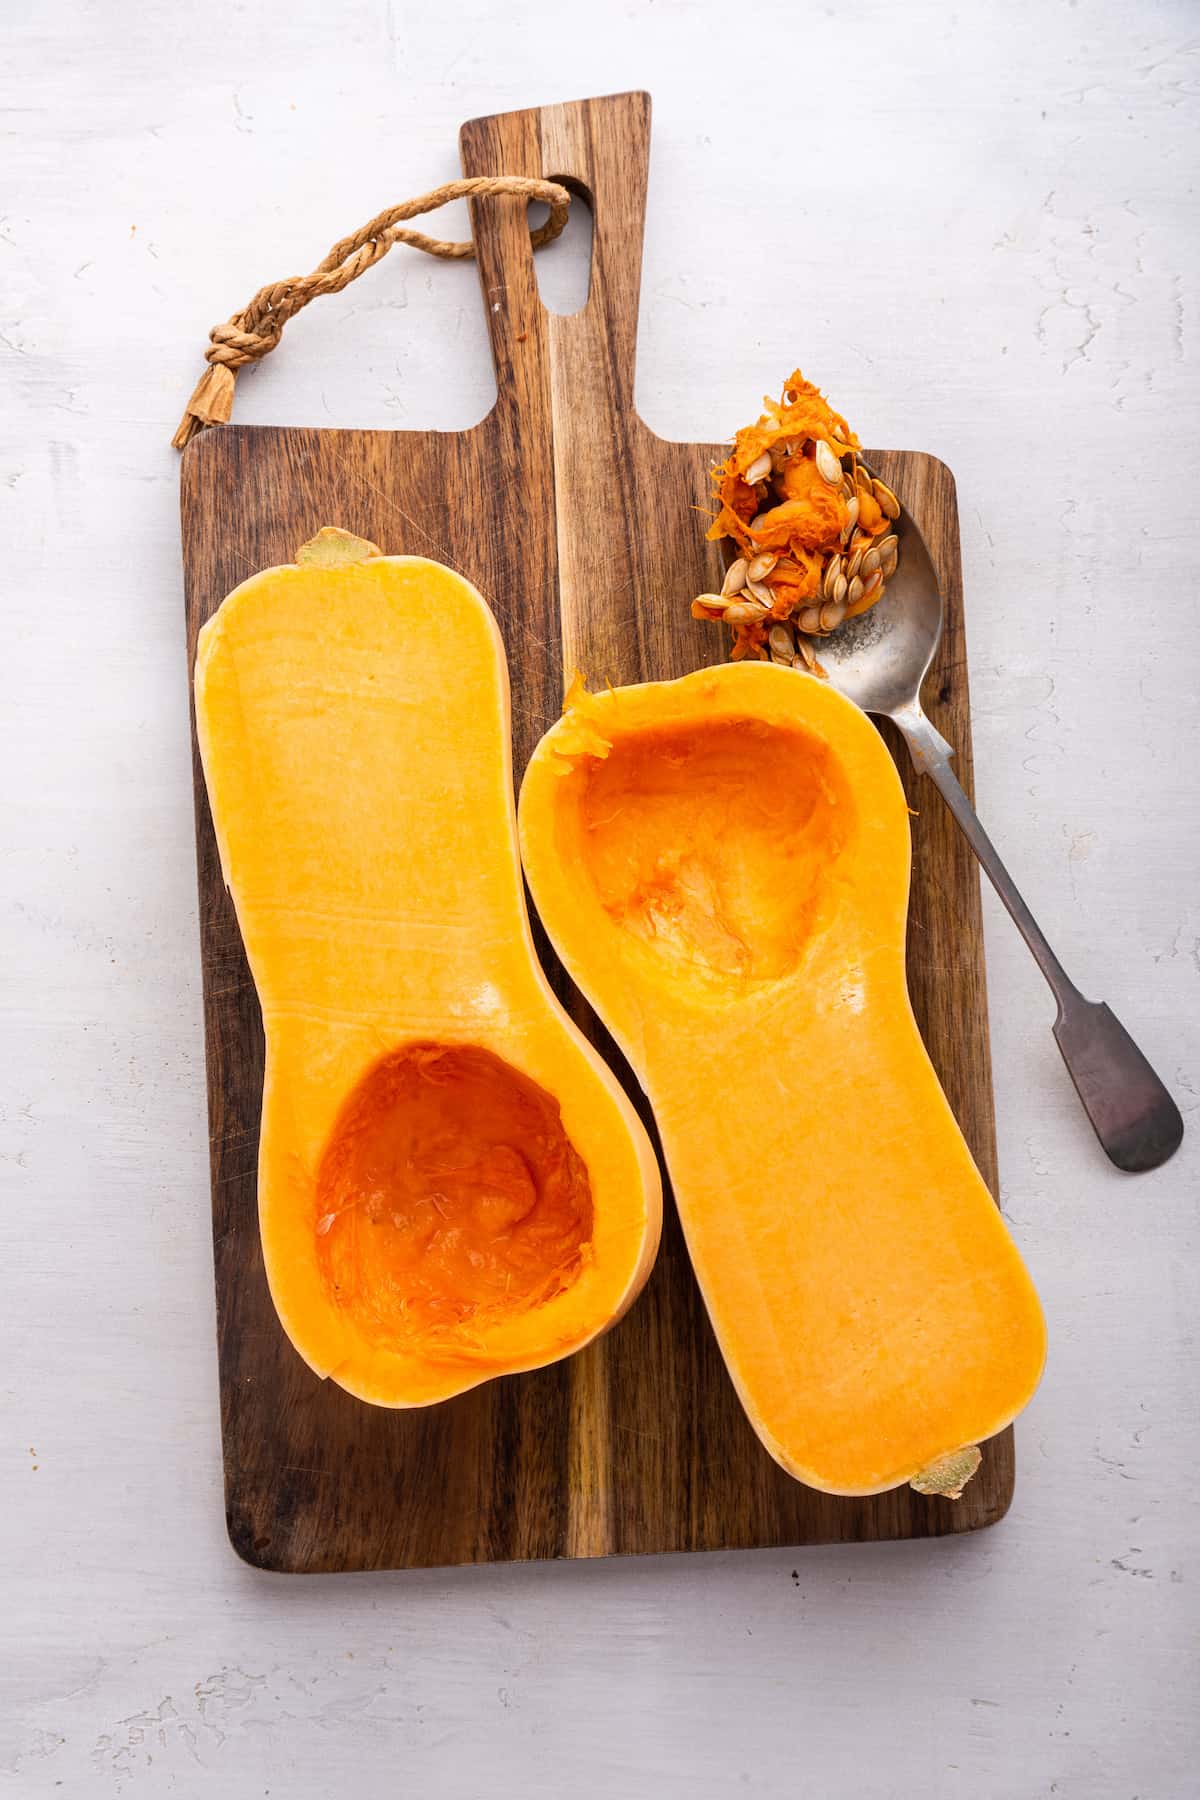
452, 1185
722, 864
448, 1188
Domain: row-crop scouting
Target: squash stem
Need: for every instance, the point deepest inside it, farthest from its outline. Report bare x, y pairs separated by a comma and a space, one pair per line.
948, 1475
333, 548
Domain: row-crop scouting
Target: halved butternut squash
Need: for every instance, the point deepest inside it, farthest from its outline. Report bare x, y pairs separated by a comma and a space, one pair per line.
452, 1185
722, 864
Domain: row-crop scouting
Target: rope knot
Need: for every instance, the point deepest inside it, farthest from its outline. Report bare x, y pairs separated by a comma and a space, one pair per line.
233, 345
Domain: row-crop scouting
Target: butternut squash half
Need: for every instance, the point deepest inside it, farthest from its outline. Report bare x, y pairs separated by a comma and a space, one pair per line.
722, 864
451, 1183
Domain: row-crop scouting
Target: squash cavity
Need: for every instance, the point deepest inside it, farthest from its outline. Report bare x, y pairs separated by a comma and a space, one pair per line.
714, 843
449, 1196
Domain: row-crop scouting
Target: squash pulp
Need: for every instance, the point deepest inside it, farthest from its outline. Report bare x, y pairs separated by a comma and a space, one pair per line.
722, 864
452, 1185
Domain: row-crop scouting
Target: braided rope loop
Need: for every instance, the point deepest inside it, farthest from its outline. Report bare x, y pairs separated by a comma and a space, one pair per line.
254, 332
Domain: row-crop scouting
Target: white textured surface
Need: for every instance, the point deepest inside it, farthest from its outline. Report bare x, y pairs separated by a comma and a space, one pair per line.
976, 227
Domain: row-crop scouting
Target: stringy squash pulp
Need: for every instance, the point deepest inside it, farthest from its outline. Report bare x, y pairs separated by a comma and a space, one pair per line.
452, 1185
722, 864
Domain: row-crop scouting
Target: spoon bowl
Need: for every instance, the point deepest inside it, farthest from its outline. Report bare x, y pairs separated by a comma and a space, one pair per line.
880, 659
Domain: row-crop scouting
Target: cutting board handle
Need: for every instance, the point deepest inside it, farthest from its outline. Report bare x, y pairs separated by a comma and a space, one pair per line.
600, 150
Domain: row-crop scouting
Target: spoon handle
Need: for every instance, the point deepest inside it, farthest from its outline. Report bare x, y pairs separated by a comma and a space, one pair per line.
1132, 1113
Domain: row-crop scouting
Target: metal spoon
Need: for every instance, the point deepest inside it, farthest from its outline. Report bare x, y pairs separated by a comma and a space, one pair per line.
880, 660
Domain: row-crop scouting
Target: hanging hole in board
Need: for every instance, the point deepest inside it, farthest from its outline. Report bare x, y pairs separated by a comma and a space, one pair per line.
564, 268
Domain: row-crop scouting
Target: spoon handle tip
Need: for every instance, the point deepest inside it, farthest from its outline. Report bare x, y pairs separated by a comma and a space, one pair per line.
1138, 1124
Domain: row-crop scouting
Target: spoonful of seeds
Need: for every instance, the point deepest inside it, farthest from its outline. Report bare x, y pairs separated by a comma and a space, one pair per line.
807, 528
814, 542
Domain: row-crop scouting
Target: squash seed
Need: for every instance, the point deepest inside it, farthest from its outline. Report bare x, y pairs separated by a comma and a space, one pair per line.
854, 593
810, 618
872, 582
851, 519
833, 569
781, 642
761, 566
742, 614
831, 616
853, 563
841, 588
888, 560
762, 594
828, 466
735, 577
888, 503
759, 469
870, 562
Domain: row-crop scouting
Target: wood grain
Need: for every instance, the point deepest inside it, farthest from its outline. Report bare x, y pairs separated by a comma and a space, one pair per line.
578, 525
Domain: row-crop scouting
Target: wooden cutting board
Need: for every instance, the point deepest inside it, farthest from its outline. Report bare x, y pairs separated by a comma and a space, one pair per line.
578, 525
